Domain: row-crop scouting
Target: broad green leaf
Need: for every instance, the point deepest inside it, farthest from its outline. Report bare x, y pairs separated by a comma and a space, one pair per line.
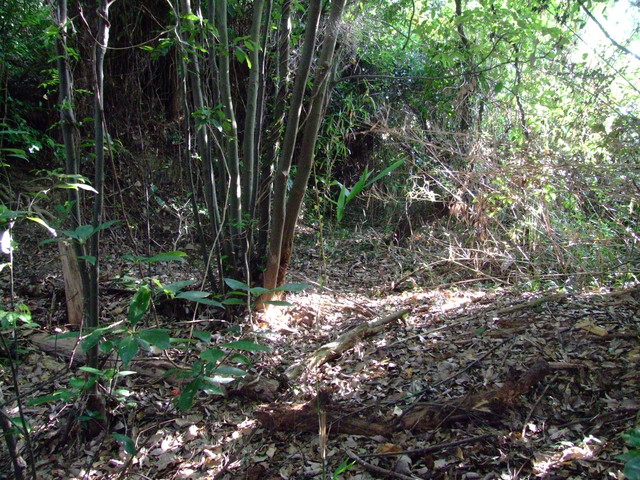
77, 383
293, 287
83, 232
92, 339
632, 468
236, 284
194, 295
157, 337
246, 345
208, 301
212, 355
256, 291
176, 287
234, 301
126, 442
185, 400
167, 257
66, 335
239, 358
211, 386
90, 259
106, 225
632, 437
385, 172
233, 371
92, 370
204, 336
58, 396
278, 303
127, 349
139, 304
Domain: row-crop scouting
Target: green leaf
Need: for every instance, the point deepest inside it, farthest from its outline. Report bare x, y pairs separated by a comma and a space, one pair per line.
176, 287
234, 301
212, 355
127, 349
81, 186
632, 468
239, 358
157, 337
126, 442
93, 371
93, 338
193, 295
232, 371
246, 345
210, 385
90, 259
292, 287
278, 303
167, 257
139, 304
185, 400
83, 232
632, 437
62, 336
204, 336
385, 172
236, 284
257, 291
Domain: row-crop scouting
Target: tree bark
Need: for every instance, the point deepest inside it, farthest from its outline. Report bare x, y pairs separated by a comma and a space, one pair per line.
278, 210
305, 162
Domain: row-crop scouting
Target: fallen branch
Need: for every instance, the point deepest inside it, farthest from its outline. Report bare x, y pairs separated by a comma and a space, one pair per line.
344, 342
375, 469
420, 417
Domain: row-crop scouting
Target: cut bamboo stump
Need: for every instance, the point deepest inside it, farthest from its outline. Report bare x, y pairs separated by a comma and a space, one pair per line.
72, 283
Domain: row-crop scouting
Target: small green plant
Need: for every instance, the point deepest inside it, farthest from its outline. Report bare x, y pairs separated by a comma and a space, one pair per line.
632, 457
345, 465
363, 182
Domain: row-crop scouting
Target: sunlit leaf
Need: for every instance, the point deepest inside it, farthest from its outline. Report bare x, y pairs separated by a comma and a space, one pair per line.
40, 221
167, 257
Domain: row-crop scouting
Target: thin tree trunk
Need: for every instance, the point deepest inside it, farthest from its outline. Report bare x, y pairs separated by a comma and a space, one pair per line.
310, 136
95, 402
203, 149
265, 186
232, 159
276, 228
251, 114
67, 126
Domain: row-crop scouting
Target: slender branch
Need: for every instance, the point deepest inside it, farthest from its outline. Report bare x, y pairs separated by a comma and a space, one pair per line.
606, 34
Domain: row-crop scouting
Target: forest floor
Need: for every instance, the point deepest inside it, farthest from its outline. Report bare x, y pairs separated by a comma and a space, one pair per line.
469, 382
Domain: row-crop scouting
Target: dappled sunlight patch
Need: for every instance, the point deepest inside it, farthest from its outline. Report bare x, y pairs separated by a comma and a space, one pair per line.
545, 463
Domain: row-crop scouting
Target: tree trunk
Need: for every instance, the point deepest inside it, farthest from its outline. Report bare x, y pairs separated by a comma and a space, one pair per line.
278, 210
305, 162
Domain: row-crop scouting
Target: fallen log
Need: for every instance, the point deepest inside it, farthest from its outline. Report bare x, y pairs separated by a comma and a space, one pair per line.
347, 340
420, 417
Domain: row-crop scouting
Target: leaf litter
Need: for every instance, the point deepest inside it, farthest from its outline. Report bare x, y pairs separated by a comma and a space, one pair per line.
456, 363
